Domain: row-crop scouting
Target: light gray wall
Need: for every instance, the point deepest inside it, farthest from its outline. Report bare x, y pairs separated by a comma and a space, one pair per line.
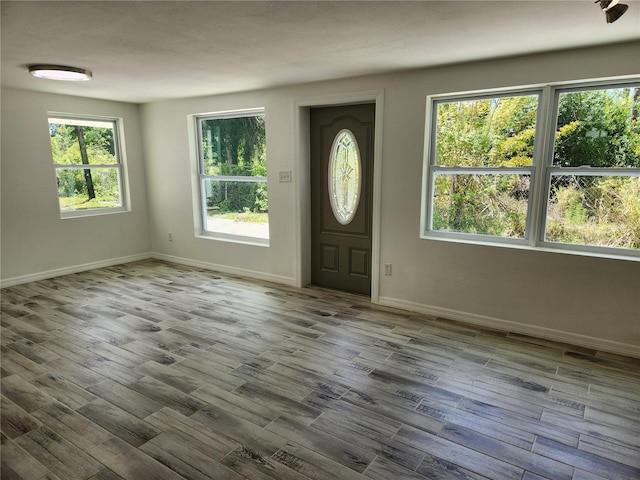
35, 240
587, 300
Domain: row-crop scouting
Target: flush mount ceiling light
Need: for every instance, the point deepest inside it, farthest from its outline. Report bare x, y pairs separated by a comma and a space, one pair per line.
60, 72
613, 9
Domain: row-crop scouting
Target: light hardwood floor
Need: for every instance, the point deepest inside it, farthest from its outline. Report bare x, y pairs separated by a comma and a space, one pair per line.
159, 371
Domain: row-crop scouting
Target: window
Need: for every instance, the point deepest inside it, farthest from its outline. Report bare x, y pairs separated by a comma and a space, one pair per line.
593, 183
233, 176
499, 169
483, 164
87, 161
344, 177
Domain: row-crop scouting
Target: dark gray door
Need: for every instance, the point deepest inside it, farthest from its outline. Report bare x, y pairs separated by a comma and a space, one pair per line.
342, 140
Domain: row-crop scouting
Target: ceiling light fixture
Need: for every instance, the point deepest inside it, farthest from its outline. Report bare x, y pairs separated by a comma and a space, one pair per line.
60, 72
613, 9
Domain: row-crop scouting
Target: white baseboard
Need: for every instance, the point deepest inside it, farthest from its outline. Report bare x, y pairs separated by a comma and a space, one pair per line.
58, 272
514, 327
34, 277
268, 277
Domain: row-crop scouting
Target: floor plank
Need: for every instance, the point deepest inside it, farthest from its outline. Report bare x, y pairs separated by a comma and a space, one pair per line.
460, 456
14, 420
17, 464
131, 463
585, 460
173, 453
197, 435
79, 430
252, 465
24, 394
122, 424
58, 455
341, 451
313, 464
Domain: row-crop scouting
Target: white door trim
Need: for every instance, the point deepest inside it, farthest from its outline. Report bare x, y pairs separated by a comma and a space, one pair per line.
303, 191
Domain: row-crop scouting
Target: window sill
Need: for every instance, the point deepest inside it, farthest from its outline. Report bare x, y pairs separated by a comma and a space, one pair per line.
632, 255
92, 213
225, 237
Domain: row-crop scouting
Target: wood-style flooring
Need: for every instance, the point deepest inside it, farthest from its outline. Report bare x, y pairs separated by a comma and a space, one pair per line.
158, 371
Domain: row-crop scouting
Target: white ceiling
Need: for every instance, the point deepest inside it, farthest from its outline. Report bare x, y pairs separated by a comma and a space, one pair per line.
152, 50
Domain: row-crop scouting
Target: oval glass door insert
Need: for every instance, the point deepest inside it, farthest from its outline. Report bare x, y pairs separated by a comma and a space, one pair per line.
344, 176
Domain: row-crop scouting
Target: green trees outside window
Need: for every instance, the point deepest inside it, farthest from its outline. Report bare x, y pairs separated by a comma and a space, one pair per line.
87, 165
233, 174
486, 152
494, 136
596, 130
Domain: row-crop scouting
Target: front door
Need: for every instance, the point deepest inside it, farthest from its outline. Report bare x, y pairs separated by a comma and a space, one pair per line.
342, 140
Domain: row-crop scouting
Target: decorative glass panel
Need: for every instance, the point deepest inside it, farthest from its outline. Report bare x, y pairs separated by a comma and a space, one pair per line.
344, 177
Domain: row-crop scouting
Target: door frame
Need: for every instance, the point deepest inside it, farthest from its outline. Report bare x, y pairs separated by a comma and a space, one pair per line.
302, 194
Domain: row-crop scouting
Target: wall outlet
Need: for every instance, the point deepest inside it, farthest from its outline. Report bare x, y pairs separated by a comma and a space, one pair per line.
170, 236
387, 269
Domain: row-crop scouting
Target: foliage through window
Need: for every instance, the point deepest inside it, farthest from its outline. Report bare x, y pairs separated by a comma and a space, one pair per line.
483, 157
86, 158
233, 175
594, 184
491, 165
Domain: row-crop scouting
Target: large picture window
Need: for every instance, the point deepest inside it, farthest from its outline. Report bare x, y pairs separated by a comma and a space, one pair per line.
87, 160
555, 167
233, 175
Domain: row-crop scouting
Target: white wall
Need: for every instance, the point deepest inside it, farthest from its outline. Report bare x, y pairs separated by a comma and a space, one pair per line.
36, 242
169, 151
584, 300
590, 301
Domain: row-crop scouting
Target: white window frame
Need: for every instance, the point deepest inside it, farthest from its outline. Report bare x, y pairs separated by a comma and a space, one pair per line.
541, 170
202, 177
120, 165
